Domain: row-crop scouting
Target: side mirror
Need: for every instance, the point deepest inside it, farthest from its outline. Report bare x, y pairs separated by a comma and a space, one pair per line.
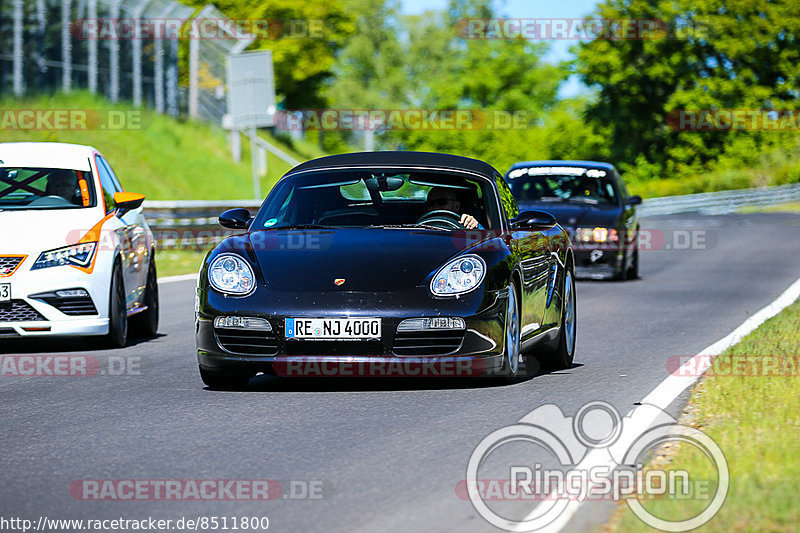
634, 200
235, 218
127, 201
533, 221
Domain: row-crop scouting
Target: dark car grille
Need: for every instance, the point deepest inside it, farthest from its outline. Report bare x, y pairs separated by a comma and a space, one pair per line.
8, 264
334, 348
18, 311
427, 342
246, 342
73, 306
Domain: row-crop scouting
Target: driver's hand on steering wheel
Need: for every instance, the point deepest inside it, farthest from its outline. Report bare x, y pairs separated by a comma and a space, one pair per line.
468, 221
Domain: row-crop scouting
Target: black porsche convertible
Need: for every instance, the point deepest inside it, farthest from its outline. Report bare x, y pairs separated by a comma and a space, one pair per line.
363, 265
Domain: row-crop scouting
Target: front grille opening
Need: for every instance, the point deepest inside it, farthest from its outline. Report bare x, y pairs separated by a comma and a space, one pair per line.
8, 332
18, 311
301, 347
9, 263
428, 342
246, 342
82, 305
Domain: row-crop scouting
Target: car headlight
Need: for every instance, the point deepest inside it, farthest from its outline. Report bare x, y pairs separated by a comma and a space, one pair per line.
79, 255
459, 276
596, 235
231, 274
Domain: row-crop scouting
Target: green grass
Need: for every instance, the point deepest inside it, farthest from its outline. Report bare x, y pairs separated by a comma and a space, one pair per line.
788, 207
177, 262
756, 422
165, 159
774, 165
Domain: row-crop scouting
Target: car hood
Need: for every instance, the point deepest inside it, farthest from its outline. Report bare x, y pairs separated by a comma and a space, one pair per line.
577, 215
33, 231
367, 259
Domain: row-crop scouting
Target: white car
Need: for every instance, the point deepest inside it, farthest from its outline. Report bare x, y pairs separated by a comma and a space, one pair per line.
76, 255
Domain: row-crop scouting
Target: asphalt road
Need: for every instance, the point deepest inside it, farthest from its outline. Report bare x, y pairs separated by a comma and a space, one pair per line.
387, 454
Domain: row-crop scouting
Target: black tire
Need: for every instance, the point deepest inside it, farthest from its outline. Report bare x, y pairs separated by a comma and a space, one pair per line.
117, 336
216, 380
633, 270
145, 324
562, 356
511, 353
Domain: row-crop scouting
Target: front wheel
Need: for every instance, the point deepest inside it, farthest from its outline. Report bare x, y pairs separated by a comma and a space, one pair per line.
117, 311
145, 323
633, 270
564, 353
512, 332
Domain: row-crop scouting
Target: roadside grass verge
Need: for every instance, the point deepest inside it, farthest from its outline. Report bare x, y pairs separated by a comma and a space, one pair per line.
788, 207
164, 158
755, 420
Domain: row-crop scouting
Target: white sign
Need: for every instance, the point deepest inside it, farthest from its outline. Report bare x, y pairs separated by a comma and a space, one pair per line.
251, 90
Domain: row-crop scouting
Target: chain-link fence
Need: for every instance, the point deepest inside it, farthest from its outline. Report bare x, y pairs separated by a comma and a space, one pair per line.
121, 49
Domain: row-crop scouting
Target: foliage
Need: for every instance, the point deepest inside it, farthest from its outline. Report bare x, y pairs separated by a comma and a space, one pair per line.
304, 37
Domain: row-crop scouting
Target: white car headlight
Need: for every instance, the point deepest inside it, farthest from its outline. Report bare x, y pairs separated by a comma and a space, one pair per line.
231, 274
79, 255
459, 276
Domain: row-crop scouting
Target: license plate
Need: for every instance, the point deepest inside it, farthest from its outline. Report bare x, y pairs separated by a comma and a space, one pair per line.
333, 328
5, 292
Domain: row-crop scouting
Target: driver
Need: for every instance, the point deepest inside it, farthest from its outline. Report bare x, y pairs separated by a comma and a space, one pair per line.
62, 183
442, 198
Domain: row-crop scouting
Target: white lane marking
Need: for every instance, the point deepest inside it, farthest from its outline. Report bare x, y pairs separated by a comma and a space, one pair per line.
182, 277
667, 391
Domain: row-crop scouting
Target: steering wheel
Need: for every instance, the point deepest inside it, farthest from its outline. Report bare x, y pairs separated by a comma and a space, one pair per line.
442, 217
51, 200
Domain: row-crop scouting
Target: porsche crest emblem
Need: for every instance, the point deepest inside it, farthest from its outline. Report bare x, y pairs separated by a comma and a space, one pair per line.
338, 281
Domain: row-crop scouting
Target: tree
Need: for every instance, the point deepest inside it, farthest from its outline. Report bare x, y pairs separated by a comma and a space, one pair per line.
304, 37
717, 54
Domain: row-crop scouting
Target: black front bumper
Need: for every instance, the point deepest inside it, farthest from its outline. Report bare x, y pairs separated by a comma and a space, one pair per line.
476, 350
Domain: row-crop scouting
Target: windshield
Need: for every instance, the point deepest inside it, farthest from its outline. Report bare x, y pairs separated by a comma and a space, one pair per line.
45, 188
377, 197
551, 184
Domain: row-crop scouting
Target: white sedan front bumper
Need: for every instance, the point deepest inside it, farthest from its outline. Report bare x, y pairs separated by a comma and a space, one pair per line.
26, 316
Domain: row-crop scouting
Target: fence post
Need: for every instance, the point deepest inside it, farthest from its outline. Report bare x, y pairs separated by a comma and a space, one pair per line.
92, 16
172, 78
137, 13
113, 56
41, 18
194, 54
19, 88
66, 46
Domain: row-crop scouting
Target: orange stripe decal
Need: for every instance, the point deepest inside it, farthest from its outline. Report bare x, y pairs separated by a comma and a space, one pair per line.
93, 235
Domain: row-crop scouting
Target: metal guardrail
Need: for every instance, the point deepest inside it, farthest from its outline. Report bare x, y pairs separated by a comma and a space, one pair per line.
722, 202
193, 223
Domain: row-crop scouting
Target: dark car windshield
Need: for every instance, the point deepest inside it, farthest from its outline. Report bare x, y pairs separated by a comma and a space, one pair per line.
45, 188
375, 197
553, 184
